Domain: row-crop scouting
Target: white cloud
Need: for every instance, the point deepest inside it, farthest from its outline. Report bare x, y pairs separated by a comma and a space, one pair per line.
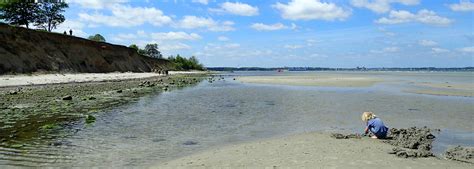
469, 49
221, 48
205, 2
97, 4
423, 16
391, 49
173, 47
272, 27
427, 43
386, 50
222, 38
169, 42
75, 26
381, 6
439, 50
192, 22
463, 6
175, 36
312, 10
237, 8
386, 32
293, 46
127, 16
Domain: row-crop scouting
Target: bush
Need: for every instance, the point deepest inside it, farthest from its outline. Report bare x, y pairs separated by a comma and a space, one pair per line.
97, 38
182, 63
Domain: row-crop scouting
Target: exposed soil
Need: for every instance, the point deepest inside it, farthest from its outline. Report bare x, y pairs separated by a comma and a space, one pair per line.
25, 51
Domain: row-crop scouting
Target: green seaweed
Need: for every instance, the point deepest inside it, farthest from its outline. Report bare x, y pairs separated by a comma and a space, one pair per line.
90, 119
49, 127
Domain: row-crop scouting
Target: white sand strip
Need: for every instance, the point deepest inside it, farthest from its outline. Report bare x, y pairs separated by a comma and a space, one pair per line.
20, 80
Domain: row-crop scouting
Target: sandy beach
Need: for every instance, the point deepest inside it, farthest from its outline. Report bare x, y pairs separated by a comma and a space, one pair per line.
39, 79
367, 79
308, 150
325, 80
57, 78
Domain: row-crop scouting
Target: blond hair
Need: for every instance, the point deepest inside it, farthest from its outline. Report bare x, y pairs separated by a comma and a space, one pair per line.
366, 116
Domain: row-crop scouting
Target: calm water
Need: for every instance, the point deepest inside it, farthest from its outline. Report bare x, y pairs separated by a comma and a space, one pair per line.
173, 124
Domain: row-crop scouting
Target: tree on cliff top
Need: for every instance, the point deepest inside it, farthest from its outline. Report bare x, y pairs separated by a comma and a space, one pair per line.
21, 12
97, 38
45, 14
151, 50
49, 15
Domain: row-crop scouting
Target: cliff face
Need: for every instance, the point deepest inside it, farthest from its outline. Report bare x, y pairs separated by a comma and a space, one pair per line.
25, 51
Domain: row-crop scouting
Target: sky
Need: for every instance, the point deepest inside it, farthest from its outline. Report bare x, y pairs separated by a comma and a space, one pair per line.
295, 33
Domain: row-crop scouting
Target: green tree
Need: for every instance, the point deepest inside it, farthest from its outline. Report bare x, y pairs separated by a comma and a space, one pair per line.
133, 46
20, 12
49, 14
151, 50
97, 38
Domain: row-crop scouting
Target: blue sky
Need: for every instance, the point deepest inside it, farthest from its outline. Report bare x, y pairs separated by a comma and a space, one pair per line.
267, 33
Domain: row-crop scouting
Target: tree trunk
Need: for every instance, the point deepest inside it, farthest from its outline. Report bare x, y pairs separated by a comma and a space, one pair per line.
49, 26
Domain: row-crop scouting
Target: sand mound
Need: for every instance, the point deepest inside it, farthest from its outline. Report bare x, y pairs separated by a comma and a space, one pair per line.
411, 142
458, 153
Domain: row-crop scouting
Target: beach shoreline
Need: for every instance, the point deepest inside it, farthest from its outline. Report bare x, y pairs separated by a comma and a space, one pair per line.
64, 78
307, 150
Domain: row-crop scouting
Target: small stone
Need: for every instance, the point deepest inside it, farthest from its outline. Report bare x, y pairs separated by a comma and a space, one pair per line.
190, 142
68, 97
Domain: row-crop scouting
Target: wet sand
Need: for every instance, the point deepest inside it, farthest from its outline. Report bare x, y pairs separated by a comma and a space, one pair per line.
326, 80
445, 89
417, 84
307, 151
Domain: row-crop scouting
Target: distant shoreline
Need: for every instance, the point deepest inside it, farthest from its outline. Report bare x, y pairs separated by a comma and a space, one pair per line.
414, 69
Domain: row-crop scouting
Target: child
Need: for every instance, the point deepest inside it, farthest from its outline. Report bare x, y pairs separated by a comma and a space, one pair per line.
374, 125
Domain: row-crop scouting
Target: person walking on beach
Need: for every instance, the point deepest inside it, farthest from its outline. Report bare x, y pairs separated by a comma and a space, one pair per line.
374, 125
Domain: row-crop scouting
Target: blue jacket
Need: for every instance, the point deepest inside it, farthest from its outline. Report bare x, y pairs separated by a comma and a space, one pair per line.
377, 127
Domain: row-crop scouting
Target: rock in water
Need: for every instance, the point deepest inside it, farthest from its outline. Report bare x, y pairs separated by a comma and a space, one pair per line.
90, 119
464, 154
68, 97
190, 142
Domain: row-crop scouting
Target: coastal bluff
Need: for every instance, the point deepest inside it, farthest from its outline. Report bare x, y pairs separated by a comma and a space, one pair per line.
26, 51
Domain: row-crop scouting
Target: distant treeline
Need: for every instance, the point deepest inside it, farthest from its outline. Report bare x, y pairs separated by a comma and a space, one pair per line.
456, 69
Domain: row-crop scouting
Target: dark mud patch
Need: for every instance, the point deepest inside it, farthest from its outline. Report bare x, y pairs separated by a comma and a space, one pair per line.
345, 136
412, 142
458, 153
